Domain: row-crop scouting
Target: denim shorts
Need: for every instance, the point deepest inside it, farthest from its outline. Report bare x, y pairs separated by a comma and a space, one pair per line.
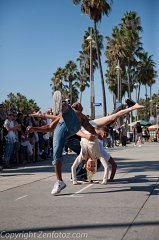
74, 144
71, 120
93, 123
68, 127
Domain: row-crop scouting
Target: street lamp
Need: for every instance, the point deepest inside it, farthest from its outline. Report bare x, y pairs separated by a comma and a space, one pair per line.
118, 68
92, 95
136, 88
146, 113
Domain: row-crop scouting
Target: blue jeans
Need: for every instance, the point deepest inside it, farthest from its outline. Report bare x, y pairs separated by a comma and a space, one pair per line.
71, 120
68, 127
9, 150
74, 144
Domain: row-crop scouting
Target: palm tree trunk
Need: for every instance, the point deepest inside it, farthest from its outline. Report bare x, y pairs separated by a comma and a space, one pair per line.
129, 92
80, 96
114, 101
150, 92
139, 92
101, 72
70, 91
146, 95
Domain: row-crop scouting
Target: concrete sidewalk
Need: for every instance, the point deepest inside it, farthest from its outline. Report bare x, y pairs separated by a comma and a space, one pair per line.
127, 209
31, 172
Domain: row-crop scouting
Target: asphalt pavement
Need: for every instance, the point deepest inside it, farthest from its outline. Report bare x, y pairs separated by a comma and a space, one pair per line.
126, 209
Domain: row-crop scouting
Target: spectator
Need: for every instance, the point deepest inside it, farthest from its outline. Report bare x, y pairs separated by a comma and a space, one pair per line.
2, 119
10, 138
157, 134
145, 134
138, 134
123, 131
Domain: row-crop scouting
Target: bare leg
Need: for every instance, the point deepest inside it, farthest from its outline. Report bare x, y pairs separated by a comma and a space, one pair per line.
57, 168
113, 170
107, 119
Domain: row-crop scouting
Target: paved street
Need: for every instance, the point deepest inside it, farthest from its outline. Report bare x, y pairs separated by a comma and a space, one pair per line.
127, 209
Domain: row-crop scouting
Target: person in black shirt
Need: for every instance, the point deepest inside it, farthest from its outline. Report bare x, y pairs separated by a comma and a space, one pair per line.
138, 134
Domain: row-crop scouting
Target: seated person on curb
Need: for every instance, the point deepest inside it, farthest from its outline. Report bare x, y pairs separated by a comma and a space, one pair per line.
69, 123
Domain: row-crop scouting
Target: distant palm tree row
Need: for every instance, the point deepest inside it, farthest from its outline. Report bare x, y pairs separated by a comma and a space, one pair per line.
124, 47
136, 65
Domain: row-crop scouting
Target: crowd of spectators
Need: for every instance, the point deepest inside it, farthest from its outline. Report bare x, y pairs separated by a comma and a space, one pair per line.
121, 135
17, 146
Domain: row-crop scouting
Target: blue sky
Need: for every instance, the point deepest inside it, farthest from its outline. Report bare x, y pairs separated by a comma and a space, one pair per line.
38, 36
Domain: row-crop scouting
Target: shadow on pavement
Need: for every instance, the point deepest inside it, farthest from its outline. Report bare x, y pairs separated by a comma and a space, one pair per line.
41, 166
82, 227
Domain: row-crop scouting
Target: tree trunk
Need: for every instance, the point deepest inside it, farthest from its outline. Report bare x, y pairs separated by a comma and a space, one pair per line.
70, 91
139, 93
146, 95
129, 92
150, 92
80, 96
101, 72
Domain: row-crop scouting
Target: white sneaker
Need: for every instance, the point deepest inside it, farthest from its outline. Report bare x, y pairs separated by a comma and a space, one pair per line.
103, 182
57, 102
76, 183
59, 185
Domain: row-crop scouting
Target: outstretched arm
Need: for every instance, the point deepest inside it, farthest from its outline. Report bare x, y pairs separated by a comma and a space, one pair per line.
42, 115
45, 128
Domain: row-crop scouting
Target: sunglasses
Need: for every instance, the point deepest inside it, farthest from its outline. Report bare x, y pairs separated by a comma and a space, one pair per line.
10, 114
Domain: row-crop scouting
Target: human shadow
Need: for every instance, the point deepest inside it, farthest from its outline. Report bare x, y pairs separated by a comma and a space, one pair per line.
41, 166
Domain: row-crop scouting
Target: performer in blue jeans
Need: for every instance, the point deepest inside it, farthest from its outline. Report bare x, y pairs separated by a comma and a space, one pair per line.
69, 123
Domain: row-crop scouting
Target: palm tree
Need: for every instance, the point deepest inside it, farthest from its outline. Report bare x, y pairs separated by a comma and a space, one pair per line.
84, 59
83, 82
115, 54
130, 29
125, 46
145, 71
95, 9
146, 74
71, 76
57, 79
